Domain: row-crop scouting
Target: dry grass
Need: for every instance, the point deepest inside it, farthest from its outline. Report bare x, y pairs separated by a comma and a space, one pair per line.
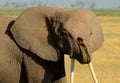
106, 60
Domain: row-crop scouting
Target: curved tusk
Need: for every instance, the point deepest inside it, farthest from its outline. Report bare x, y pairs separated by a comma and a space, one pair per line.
93, 72
72, 70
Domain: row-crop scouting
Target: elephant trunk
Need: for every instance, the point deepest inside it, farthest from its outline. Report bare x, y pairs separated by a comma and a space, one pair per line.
84, 55
81, 53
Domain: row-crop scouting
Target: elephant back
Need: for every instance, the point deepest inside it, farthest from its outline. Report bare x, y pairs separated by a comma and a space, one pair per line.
4, 22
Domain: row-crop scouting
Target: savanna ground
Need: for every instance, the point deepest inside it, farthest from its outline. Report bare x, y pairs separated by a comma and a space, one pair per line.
106, 61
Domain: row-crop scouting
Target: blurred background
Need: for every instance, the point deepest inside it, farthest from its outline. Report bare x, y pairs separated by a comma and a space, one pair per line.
106, 61
61, 3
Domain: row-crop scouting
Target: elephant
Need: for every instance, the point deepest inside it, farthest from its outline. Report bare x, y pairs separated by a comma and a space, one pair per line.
33, 45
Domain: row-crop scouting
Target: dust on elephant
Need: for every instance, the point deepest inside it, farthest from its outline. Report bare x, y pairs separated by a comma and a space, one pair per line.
32, 47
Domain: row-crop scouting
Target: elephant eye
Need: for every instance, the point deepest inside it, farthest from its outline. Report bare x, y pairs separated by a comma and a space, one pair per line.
63, 33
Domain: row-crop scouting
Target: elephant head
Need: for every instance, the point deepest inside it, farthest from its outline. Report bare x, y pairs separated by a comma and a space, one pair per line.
50, 32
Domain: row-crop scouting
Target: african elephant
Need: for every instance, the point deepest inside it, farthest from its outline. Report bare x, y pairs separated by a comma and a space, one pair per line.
32, 46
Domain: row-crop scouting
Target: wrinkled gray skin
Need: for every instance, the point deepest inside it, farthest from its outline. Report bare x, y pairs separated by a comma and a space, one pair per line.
32, 47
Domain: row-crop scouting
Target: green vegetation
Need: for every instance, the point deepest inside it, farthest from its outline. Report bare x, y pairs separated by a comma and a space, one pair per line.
12, 12
106, 60
98, 12
107, 12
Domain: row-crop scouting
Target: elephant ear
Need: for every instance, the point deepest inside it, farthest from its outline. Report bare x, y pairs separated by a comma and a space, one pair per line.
31, 32
96, 34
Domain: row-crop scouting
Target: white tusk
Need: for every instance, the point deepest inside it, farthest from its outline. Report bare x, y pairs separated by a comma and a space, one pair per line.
72, 70
92, 72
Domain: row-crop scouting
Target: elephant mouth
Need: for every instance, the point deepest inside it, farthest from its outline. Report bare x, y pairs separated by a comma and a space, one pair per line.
81, 54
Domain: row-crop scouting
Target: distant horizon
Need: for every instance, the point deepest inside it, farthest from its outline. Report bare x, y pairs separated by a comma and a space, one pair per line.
62, 3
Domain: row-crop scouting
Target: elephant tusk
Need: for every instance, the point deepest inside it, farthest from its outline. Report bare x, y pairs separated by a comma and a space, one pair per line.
72, 70
93, 72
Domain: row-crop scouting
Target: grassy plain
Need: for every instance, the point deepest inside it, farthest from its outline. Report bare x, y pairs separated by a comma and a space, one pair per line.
106, 61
